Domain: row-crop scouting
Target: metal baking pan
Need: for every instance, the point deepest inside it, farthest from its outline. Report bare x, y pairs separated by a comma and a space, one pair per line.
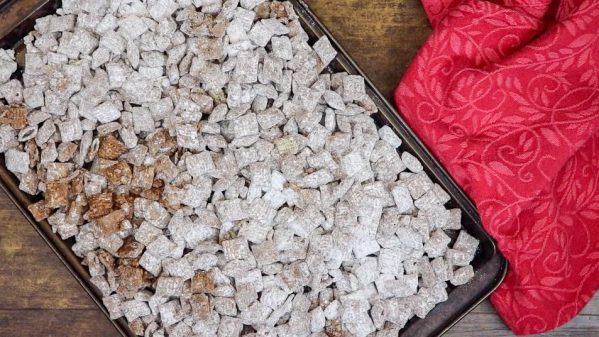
17, 18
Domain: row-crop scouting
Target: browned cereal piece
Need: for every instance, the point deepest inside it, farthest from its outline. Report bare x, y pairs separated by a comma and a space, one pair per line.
161, 142
153, 193
66, 151
124, 201
201, 306
137, 327
99, 205
111, 148
129, 262
157, 183
130, 249
295, 276
57, 194
14, 115
130, 278
106, 259
211, 49
99, 165
33, 152
217, 29
29, 183
39, 210
171, 197
263, 10
143, 178
335, 329
74, 214
202, 282
278, 10
118, 173
111, 222
165, 169
77, 184
218, 95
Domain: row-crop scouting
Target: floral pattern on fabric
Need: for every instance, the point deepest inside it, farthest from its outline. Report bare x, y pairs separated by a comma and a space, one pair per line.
506, 96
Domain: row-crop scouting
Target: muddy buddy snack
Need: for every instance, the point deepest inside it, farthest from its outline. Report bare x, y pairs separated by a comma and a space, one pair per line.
218, 179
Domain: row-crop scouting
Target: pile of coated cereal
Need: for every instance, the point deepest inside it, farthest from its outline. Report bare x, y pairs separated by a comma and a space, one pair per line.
217, 179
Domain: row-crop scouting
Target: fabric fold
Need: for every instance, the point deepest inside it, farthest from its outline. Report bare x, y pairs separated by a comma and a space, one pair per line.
506, 96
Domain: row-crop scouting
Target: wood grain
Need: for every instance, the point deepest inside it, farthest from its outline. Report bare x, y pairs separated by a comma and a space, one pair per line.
55, 323
382, 36
484, 321
38, 296
32, 268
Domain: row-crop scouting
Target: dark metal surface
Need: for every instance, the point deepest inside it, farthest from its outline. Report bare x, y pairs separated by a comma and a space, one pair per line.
17, 18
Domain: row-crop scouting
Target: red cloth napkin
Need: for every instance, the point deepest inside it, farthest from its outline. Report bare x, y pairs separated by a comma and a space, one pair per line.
506, 95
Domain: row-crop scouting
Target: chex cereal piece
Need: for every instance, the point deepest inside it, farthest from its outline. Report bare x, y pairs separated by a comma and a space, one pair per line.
111, 222
225, 306
437, 243
236, 249
161, 247
260, 34
16, 161
419, 184
169, 286
295, 276
442, 269
282, 48
441, 194
106, 112
150, 263
202, 282
411, 162
353, 88
13, 115
402, 198
113, 305
426, 272
7, 64
170, 312
111, 148
455, 219
409, 238
325, 50
462, 275
231, 210
390, 261
458, 257
39, 210
70, 130
389, 136
201, 306
134, 309
200, 164
466, 243
57, 194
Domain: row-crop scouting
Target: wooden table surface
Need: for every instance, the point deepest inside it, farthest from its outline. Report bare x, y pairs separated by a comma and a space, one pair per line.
38, 296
